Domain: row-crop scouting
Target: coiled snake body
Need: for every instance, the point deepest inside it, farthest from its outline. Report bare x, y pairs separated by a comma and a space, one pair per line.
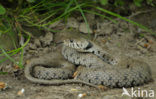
101, 68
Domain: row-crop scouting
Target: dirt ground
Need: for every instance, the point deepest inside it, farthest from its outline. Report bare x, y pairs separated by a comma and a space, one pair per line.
121, 38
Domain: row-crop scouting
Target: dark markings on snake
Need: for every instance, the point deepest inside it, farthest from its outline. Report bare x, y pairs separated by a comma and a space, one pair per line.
88, 46
98, 52
71, 41
107, 59
84, 59
67, 56
90, 65
71, 54
63, 72
108, 62
103, 55
74, 61
79, 74
96, 78
128, 65
39, 73
86, 75
110, 78
117, 84
125, 77
69, 75
112, 60
79, 62
77, 45
133, 83
89, 81
47, 73
54, 74
64, 50
102, 83
140, 76
146, 78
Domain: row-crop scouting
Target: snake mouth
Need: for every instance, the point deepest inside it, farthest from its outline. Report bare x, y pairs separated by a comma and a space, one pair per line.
58, 43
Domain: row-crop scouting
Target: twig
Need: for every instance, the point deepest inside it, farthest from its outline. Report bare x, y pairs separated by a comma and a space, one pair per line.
137, 13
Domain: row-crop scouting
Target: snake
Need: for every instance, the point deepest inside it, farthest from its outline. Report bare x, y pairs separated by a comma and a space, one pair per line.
100, 67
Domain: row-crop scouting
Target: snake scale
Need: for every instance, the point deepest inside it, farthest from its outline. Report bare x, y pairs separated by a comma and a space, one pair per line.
100, 68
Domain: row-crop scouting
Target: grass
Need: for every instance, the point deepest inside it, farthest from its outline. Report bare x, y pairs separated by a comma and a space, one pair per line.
14, 52
45, 13
123, 18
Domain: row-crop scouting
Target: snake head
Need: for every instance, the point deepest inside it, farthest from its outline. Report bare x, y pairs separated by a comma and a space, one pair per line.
78, 44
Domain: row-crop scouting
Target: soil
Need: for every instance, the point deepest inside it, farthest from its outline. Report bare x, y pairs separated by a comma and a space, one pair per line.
120, 38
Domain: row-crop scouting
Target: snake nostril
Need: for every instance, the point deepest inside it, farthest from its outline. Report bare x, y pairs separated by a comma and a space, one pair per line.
128, 65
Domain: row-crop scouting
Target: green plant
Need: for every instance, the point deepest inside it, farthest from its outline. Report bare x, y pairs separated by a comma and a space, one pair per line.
9, 27
2, 10
138, 3
41, 13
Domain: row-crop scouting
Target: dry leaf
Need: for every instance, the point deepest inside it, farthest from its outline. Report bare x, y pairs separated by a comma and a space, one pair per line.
75, 74
20, 93
146, 45
2, 85
27, 61
103, 88
82, 95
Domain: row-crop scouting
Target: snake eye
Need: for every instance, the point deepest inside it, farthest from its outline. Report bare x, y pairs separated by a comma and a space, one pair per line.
71, 41
90, 45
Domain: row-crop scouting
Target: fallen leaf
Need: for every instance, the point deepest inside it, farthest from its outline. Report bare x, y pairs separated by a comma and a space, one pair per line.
82, 95
16, 67
2, 85
146, 45
27, 61
103, 88
20, 93
75, 74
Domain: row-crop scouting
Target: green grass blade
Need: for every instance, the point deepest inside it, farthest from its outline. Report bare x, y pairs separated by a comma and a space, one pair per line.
10, 58
123, 18
12, 54
81, 11
21, 59
109, 18
68, 6
62, 15
3, 73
